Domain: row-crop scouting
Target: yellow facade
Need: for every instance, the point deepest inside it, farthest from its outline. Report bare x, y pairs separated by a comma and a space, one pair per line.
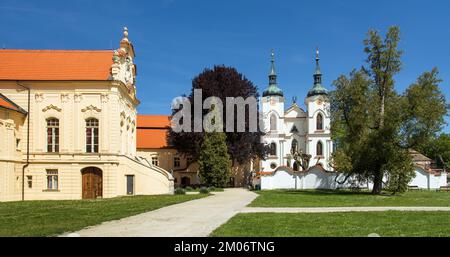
56, 175
185, 174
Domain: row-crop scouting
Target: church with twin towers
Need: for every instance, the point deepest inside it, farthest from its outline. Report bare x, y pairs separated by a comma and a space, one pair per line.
292, 131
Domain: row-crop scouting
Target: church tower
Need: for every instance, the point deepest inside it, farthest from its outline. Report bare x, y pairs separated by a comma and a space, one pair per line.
273, 113
318, 138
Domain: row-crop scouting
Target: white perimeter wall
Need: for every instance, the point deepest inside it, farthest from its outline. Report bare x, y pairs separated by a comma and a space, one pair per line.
317, 179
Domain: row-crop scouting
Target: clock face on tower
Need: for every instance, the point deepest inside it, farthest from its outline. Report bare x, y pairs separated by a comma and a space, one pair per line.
319, 101
272, 102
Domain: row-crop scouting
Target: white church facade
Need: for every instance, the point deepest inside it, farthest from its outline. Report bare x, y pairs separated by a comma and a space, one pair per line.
291, 131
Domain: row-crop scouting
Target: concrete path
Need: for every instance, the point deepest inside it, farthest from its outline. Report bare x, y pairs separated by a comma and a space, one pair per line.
339, 209
197, 218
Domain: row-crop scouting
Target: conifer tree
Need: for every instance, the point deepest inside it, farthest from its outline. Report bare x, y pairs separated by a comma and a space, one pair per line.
214, 160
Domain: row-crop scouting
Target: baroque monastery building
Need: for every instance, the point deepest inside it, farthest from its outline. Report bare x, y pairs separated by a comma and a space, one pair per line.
68, 126
69, 129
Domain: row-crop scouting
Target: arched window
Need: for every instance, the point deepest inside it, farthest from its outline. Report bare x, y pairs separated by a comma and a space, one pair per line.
319, 122
273, 149
319, 149
295, 167
294, 146
52, 135
92, 135
273, 122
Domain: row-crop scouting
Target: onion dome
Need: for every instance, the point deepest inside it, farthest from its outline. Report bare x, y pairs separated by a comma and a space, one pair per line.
317, 89
273, 89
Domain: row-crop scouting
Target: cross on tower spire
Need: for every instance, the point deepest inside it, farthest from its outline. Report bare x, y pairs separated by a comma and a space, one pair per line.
317, 73
273, 73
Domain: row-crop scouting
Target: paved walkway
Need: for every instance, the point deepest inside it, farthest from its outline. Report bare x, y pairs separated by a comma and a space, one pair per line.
339, 209
197, 218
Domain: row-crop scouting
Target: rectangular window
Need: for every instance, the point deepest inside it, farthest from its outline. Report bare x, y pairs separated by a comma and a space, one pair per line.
176, 162
155, 161
52, 179
30, 181
130, 184
52, 135
92, 136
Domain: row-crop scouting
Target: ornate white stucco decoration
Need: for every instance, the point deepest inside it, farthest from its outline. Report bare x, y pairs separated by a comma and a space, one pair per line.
7, 124
77, 97
104, 97
52, 107
65, 97
39, 97
91, 108
123, 68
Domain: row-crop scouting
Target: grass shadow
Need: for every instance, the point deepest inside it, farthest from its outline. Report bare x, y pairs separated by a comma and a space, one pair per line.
329, 192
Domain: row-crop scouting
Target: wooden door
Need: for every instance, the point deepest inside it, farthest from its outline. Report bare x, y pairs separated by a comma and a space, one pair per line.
185, 181
92, 184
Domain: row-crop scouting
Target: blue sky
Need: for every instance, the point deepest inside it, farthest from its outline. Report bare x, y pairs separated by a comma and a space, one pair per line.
176, 39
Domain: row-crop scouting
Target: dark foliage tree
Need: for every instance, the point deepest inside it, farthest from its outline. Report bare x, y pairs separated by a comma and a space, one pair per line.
222, 82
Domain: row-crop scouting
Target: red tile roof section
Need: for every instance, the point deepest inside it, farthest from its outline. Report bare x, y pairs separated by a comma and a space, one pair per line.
8, 104
152, 131
43, 65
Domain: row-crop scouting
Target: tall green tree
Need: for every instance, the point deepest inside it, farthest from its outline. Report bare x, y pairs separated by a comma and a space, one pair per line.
373, 125
214, 160
438, 148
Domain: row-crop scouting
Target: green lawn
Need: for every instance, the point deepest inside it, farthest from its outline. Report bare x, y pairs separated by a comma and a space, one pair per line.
353, 224
332, 198
49, 218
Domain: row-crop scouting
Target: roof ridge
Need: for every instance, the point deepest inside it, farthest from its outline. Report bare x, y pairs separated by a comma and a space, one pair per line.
56, 50
155, 115
17, 107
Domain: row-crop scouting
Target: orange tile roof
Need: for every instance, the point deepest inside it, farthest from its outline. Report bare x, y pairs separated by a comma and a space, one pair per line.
153, 121
55, 64
152, 131
152, 138
8, 104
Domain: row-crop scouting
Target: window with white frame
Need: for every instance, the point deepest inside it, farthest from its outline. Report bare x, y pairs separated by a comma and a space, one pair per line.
176, 162
30, 181
52, 179
92, 135
155, 161
52, 135
319, 122
319, 149
273, 149
273, 122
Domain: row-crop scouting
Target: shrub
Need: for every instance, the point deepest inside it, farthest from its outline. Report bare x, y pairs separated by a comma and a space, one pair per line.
204, 190
211, 189
189, 189
180, 191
